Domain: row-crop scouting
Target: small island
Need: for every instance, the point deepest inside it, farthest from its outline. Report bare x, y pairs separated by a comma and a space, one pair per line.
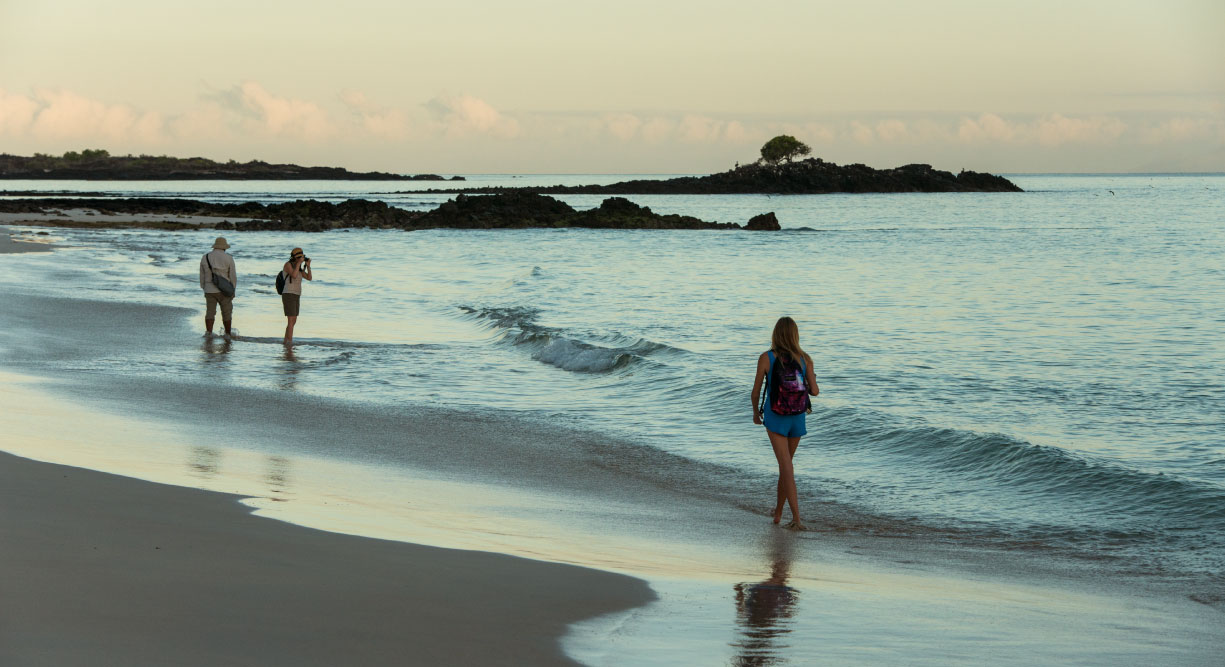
100, 165
778, 172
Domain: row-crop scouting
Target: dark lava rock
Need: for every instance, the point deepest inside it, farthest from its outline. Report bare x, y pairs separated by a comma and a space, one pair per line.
501, 211
517, 209
621, 213
511, 209
766, 222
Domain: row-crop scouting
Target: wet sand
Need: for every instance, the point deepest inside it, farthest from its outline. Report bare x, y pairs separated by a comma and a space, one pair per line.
101, 569
9, 246
81, 217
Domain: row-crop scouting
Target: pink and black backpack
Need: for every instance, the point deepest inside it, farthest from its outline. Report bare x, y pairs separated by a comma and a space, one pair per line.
787, 387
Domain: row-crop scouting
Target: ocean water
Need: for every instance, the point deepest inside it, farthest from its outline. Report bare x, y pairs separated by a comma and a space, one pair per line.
1037, 371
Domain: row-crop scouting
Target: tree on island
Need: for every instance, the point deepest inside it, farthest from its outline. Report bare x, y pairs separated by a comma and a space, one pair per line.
783, 147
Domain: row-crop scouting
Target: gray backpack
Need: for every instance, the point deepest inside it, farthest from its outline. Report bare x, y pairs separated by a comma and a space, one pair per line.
222, 283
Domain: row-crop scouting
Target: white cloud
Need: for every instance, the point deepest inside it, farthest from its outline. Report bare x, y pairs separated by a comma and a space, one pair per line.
987, 127
16, 113
698, 129
892, 130
622, 125
861, 132
382, 123
54, 114
735, 132
1056, 129
464, 115
1050, 130
280, 116
658, 129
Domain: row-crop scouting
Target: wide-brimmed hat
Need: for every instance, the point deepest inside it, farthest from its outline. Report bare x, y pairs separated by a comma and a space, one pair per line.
220, 243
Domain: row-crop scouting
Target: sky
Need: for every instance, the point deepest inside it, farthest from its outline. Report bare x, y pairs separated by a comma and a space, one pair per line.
661, 86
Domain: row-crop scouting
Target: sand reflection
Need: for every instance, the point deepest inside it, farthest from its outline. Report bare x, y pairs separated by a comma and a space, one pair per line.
764, 610
276, 476
289, 381
203, 461
214, 350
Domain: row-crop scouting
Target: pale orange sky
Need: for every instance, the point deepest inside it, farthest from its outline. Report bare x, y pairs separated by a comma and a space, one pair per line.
663, 86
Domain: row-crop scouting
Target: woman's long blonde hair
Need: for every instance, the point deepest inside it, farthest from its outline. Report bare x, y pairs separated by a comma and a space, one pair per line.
786, 339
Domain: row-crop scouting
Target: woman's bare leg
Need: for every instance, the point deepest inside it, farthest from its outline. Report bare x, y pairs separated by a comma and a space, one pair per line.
289, 329
792, 444
786, 475
782, 500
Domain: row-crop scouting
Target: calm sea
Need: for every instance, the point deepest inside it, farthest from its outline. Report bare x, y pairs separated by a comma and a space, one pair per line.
1040, 370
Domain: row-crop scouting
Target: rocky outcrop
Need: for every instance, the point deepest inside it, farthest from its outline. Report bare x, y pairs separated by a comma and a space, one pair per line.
806, 177
526, 209
101, 166
303, 215
511, 209
621, 213
309, 215
766, 222
152, 205
507, 210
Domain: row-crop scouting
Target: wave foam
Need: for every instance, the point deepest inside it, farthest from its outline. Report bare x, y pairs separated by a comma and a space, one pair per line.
556, 347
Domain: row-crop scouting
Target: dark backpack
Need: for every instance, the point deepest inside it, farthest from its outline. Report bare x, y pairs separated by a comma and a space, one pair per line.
280, 283
787, 387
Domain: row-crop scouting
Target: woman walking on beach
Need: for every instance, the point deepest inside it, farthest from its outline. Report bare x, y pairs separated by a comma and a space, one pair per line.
786, 371
296, 269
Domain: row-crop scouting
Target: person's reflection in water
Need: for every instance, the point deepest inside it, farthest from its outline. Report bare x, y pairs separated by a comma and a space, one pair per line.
277, 477
215, 351
764, 609
203, 461
289, 381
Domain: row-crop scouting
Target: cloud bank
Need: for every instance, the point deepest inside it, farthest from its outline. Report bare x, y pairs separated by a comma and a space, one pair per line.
464, 133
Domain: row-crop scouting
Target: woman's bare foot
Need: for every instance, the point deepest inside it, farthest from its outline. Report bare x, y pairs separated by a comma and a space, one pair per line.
796, 524
778, 513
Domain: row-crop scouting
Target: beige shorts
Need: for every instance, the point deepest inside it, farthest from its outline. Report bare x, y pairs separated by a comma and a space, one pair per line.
227, 305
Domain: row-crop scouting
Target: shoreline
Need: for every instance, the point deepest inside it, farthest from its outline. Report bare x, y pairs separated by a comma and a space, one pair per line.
94, 219
175, 571
887, 597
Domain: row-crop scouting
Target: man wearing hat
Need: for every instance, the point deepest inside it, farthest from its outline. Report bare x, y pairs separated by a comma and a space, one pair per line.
221, 263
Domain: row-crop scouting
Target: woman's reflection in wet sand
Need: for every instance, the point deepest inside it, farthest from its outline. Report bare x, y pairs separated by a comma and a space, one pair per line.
276, 476
764, 609
203, 461
289, 381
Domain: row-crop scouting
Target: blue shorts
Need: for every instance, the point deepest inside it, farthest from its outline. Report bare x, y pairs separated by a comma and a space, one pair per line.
791, 426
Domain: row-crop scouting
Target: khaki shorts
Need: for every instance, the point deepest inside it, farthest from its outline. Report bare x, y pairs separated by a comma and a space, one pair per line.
291, 303
227, 305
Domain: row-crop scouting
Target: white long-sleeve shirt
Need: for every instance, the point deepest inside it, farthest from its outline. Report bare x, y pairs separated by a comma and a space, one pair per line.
223, 264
